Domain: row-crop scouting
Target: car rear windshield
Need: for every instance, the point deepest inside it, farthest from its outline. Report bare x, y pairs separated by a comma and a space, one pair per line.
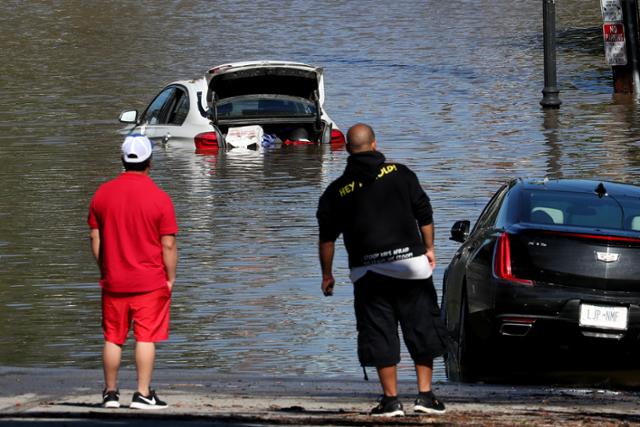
580, 209
242, 107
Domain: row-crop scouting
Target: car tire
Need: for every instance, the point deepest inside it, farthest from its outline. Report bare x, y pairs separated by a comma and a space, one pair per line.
462, 359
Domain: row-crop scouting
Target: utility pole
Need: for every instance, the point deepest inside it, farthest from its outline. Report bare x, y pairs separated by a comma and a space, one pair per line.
620, 32
550, 92
631, 28
615, 34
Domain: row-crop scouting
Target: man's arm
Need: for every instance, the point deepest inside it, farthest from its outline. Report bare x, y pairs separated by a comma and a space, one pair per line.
326, 251
94, 237
170, 257
427, 236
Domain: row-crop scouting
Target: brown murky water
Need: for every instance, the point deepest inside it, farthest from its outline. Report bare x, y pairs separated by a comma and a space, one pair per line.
452, 89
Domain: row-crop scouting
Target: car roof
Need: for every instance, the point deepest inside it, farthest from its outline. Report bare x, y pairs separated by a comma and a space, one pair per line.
195, 82
577, 186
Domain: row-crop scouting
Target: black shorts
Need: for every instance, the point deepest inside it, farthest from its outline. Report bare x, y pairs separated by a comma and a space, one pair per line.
381, 303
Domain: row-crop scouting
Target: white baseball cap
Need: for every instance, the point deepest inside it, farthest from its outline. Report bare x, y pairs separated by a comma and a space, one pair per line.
136, 148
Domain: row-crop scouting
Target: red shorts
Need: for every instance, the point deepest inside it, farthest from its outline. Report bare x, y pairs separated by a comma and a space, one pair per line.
149, 312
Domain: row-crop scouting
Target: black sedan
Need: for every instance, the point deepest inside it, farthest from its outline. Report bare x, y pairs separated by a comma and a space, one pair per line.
549, 273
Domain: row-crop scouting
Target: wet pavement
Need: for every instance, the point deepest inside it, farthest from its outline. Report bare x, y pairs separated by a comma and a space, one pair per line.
71, 397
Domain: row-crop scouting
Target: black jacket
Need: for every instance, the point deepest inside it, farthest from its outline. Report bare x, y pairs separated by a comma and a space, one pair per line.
378, 207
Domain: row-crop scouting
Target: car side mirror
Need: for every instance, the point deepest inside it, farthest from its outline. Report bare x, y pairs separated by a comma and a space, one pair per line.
460, 231
129, 116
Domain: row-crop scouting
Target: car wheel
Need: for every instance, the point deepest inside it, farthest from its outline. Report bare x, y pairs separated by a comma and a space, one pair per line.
462, 358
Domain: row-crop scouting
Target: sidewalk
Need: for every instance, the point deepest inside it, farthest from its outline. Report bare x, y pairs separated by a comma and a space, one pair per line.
72, 397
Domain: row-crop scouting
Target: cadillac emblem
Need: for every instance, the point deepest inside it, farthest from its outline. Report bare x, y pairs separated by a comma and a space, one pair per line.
607, 256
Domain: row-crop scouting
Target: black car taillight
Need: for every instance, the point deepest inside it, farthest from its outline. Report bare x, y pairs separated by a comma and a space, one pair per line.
502, 261
595, 236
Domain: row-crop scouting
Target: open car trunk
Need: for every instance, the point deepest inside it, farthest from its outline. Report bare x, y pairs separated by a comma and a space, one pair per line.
244, 88
301, 82
282, 98
285, 131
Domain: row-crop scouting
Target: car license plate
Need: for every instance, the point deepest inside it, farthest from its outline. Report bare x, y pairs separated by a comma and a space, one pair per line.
600, 316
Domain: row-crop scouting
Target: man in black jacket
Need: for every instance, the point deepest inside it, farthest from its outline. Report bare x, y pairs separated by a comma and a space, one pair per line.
386, 221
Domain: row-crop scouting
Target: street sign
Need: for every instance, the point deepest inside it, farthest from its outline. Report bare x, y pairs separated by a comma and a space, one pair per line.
611, 10
614, 44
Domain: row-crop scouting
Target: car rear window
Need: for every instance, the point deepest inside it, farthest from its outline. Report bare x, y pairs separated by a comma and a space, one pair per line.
580, 209
265, 107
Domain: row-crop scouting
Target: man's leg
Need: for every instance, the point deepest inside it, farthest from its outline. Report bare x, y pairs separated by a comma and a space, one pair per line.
378, 341
388, 380
111, 356
389, 405
424, 375
145, 359
426, 402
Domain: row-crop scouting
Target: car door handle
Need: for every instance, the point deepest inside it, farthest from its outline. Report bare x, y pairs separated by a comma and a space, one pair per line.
166, 138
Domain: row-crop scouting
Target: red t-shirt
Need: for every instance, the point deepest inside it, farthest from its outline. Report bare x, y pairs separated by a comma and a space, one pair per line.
132, 213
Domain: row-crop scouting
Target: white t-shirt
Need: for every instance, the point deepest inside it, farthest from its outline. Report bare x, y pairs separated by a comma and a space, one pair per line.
409, 269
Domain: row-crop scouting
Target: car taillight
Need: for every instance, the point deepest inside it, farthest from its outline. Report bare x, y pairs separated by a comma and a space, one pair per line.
206, 142
596, 236
337, 137
502, 261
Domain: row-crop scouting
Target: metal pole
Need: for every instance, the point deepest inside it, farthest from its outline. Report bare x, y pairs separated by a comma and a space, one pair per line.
550, 92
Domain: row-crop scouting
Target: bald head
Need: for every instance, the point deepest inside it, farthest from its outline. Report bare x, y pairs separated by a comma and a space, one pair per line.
361, 138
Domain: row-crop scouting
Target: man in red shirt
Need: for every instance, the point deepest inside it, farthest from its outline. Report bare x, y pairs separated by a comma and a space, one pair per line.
133, 239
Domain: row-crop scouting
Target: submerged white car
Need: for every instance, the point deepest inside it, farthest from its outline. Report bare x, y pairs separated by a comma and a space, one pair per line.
246, 104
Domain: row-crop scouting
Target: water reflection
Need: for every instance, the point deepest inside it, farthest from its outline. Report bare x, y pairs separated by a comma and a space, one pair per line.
554, 150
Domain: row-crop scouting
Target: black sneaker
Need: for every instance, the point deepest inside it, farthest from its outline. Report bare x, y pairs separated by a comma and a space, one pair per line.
427, 403
147, 402
389, 406
111, 398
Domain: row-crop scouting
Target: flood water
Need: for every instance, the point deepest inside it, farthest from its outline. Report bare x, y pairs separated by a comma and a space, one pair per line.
451, 88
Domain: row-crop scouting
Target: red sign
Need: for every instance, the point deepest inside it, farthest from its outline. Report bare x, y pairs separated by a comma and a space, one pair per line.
615, 50
613, 33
